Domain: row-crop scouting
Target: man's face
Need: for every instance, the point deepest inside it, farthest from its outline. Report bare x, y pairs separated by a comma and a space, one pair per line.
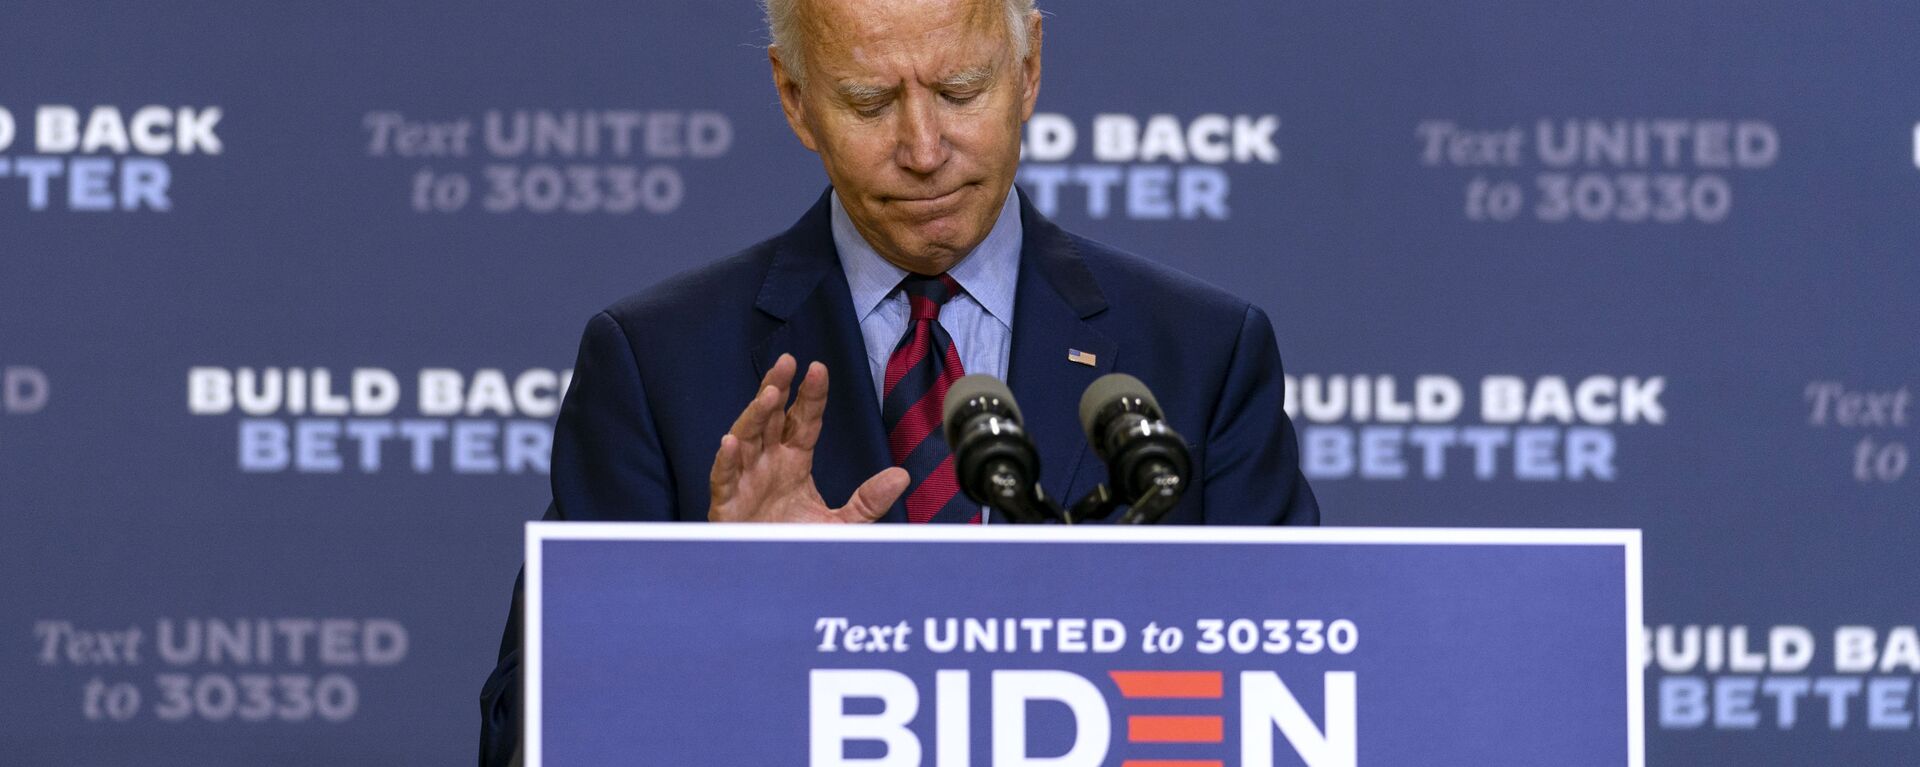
915, 108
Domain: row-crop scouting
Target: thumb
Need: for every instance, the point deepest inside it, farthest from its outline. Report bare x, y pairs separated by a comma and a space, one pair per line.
875, 496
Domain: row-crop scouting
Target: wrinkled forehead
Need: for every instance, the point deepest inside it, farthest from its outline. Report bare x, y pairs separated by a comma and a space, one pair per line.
856, 38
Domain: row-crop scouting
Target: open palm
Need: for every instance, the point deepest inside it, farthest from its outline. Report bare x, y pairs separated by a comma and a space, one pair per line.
763, 471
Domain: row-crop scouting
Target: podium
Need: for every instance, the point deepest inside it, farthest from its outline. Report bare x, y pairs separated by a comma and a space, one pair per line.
1057, 646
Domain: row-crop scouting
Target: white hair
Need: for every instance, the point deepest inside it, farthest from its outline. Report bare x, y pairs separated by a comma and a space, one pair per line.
783, 28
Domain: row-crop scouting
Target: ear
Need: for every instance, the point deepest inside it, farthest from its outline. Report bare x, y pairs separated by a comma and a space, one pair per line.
790, 101
1030, 69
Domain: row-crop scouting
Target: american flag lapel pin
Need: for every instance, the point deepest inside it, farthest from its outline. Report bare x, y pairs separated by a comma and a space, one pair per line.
1084, 358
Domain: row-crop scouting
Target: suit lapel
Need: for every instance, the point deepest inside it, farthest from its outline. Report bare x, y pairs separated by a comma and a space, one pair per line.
806, 293
1056, 295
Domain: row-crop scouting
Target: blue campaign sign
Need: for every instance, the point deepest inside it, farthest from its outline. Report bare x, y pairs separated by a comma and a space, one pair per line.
1077, 647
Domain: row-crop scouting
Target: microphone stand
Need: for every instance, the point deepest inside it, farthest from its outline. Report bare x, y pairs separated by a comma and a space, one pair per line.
1100, 503
1022, 502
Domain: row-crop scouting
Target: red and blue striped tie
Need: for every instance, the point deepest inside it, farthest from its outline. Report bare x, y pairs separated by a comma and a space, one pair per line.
923, 365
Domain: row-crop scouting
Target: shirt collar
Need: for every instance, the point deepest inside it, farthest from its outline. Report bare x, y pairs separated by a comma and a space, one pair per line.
988, 274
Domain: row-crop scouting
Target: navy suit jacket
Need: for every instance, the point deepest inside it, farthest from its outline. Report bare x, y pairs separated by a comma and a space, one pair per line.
663, 374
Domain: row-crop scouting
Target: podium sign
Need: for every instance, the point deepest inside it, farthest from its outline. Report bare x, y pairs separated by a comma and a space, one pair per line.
1054, 646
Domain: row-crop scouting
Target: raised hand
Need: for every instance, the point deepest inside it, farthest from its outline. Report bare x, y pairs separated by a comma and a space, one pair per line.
764, 469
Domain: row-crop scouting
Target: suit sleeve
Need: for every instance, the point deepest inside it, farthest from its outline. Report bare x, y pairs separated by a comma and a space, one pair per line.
1253, 457
608, 464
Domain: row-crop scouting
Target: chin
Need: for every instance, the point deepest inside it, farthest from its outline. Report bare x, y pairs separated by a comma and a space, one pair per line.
959, 229
947, 237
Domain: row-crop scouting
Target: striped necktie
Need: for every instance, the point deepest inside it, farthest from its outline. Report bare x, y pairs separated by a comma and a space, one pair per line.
921, 368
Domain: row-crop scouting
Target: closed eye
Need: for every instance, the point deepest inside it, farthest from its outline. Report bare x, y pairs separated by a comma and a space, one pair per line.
964, 87
865, 99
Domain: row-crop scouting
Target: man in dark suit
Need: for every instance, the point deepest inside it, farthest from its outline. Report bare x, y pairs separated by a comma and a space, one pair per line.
920, 263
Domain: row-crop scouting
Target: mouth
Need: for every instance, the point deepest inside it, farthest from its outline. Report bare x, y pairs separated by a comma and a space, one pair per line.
932, 204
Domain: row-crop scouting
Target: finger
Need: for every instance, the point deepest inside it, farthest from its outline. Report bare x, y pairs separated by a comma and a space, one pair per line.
753, 442
775, 422
722, 481
749, 425
875, 496
781, 372
780, 376
803, 419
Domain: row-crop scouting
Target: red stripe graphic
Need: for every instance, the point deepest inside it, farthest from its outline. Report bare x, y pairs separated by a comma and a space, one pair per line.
1175, 729
1168, 684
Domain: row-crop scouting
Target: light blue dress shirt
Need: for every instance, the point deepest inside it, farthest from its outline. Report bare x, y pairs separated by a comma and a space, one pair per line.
980, 320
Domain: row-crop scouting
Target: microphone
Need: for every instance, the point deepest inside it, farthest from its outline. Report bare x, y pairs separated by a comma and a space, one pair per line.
993, 458
1147, 462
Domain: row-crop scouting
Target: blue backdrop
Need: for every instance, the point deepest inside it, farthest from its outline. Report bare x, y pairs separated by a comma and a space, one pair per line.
287, 296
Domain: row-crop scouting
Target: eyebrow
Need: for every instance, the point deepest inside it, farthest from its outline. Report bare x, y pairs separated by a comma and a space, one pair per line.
862, 92
975, 77
968, 78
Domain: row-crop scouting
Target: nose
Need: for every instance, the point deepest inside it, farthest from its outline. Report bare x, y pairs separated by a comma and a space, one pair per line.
922, 146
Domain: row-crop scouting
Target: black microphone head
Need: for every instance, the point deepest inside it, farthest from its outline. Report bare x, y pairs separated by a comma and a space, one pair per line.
993, 460
1105, 391
988, 391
